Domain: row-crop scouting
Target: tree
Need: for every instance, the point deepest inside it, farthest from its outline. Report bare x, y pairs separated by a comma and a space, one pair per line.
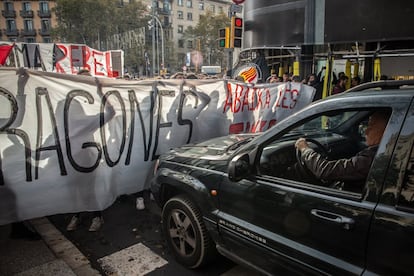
205, 36
84, 21
131, 19
87, 21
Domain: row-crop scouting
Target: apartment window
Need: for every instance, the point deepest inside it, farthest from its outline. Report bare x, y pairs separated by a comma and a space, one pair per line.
166, 6
180, 3
212, 8
221, 10
47, 40
190, 44
26, 6
30, 40
8, 6
180, 15
28, 25
11, 25
189, 3
180, 43
45, 25
180, 29
189, 16
44, 6
166, 21
201, 6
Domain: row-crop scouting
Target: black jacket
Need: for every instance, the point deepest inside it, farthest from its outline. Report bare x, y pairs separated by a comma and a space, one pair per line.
355, 168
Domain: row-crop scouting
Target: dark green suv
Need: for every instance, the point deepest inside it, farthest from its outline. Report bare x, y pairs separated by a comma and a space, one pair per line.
240, 195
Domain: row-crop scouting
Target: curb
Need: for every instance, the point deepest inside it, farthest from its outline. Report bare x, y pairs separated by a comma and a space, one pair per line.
63, 248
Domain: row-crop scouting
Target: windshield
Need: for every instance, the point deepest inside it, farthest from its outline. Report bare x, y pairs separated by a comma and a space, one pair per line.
325, 123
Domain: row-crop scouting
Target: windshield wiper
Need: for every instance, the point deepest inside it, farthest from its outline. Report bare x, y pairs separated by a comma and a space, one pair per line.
239, 144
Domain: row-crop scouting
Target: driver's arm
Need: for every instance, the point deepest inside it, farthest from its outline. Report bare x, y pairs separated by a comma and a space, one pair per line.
354, 168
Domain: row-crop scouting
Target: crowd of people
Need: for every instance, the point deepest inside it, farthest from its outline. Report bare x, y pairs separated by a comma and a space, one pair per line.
339, 82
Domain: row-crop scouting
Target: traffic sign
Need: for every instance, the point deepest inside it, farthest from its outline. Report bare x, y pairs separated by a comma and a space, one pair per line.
236, 9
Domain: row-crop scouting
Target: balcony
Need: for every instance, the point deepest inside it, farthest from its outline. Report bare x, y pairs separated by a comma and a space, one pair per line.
44, 13
163, 11
26, 14
44, 32
9, 13
25, 32
11, 32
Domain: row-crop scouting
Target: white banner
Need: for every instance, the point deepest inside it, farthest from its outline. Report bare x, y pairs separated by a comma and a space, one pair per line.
75, 143
68, 58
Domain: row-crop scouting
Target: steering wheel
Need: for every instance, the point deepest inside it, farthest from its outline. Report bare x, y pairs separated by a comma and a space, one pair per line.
302, 166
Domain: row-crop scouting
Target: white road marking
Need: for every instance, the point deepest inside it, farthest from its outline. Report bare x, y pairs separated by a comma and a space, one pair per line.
134, 260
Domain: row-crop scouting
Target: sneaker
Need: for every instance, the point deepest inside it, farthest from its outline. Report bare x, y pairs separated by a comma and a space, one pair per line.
73, 224
140, 203
96, 224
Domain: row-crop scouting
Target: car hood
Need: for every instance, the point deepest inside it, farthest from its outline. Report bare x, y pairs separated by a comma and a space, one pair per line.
220, 148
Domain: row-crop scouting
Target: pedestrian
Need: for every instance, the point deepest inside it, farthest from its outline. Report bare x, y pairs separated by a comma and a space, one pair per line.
355, 81
296, 78
97, 220
285, 77
273, 78
340, 85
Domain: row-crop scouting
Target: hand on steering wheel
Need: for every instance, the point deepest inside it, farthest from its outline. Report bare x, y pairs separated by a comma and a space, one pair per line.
302, 143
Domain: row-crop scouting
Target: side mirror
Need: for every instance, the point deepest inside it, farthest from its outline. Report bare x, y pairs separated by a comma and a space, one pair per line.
239, 167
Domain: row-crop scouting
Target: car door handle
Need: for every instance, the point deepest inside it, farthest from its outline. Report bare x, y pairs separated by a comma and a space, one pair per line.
332, 217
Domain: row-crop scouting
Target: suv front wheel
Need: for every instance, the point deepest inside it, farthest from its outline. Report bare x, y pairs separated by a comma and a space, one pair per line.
186, 233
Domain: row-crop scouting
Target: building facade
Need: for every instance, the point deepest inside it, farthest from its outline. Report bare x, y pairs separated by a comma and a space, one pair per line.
185, 13
178, 15
27, 21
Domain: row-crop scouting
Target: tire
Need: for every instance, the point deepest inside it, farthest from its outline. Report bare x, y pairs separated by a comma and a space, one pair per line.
185, 232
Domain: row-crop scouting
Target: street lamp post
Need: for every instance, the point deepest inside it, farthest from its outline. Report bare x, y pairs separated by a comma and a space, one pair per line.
154, 6
162, 40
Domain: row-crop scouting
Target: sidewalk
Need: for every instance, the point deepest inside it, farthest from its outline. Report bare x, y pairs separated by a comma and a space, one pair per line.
113, 250
51, 255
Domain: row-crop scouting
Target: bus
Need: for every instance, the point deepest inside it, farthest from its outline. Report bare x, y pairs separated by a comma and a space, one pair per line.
211, 70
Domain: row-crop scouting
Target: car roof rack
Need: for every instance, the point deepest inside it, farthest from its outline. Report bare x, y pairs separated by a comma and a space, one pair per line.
383, 85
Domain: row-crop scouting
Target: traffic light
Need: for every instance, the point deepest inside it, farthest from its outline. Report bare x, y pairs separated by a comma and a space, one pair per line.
236, 32
224, 37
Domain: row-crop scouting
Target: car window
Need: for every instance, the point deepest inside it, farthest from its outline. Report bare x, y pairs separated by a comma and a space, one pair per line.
335, 135
328, 122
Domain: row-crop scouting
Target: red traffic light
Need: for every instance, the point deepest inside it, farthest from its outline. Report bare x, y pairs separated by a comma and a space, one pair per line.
238, 22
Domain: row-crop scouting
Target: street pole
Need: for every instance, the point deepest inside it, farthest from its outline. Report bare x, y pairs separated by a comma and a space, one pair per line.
162, 38
231, 14
230, 61
157, 46
154, 5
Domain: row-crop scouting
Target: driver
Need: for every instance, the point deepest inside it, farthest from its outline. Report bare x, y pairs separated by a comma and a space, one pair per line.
355, 168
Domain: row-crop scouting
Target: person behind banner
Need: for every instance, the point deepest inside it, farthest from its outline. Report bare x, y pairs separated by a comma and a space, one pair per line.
355, 81
285, 77
340, 85
97, 220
